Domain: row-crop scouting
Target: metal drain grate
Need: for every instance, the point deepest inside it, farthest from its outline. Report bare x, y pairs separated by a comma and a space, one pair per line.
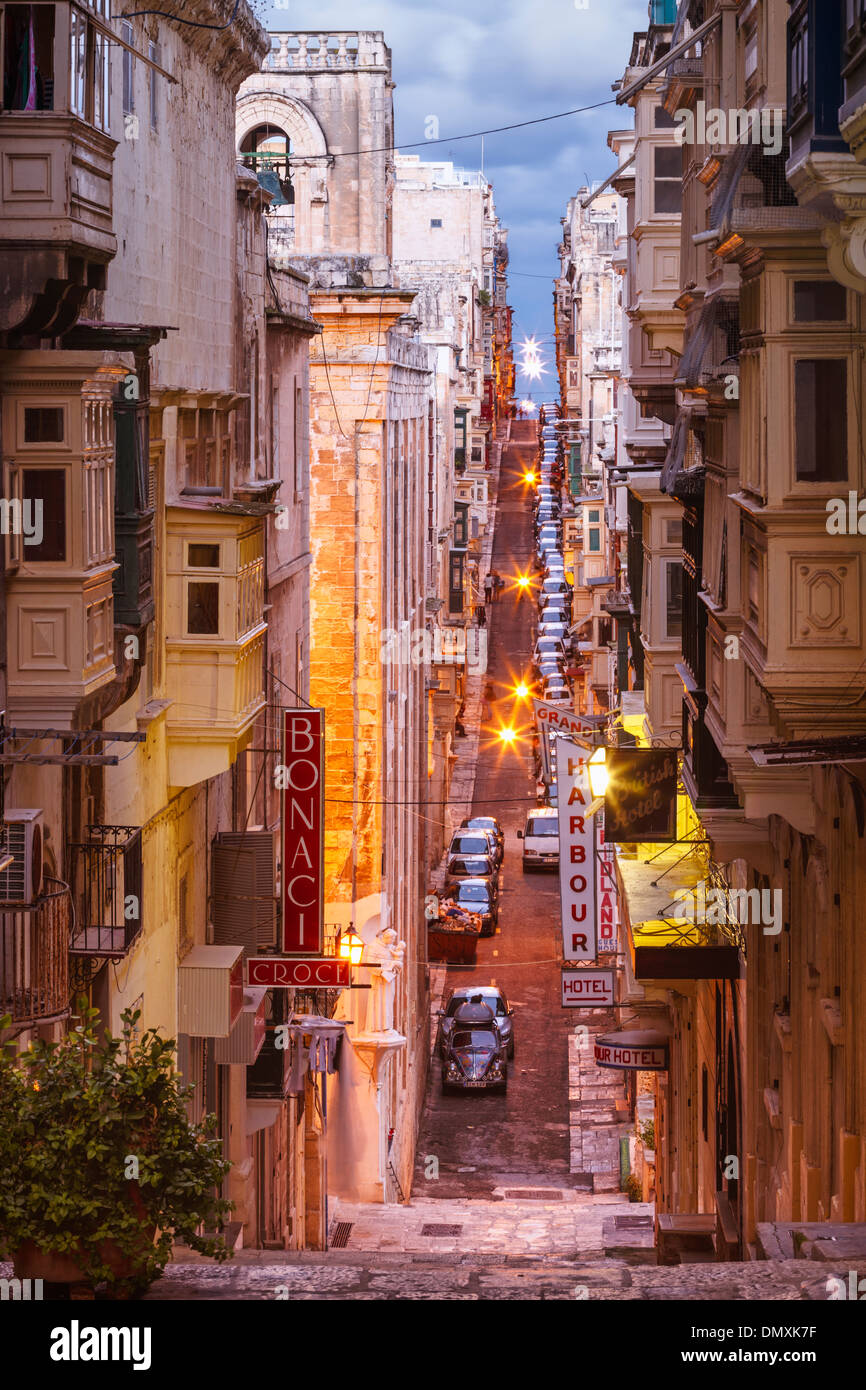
340, 1239
440, 1229
632, 1223
532, 1194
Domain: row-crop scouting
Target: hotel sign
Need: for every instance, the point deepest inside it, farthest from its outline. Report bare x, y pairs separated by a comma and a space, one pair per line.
587, 989
641, 798
632, 1051
577, 870
303, 789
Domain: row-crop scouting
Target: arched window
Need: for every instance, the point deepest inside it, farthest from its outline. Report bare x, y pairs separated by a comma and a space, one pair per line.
266, 150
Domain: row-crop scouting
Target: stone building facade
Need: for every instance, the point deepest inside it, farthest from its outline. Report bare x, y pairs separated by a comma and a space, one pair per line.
318, 100
760, 1124
153, 385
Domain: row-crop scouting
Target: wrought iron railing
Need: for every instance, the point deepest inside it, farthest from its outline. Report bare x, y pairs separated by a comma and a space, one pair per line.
34, 964
107, 882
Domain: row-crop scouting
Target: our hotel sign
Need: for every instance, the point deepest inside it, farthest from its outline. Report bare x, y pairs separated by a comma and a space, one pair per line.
577, 869
632, 1051
303, 879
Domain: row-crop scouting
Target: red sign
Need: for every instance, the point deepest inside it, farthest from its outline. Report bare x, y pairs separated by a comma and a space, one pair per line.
321, 972
303, 786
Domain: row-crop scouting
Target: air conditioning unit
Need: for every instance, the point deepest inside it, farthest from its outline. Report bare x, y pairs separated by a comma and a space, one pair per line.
21, 836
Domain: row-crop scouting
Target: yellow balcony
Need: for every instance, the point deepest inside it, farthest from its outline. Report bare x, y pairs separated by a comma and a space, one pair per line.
215, 638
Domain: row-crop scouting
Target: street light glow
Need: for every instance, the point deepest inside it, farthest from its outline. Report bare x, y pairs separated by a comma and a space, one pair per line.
507, 735
521, 691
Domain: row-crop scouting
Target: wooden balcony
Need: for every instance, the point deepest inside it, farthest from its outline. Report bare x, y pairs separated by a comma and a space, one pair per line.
34, 958
56, 218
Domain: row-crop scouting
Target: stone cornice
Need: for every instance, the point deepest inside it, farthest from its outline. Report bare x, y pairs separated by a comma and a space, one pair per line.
234, 52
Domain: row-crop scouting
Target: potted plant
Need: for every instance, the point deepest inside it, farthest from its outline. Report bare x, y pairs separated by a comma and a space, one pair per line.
100, 1167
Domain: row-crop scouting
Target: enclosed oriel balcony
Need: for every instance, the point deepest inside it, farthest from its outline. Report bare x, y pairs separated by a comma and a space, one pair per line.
215, 635
56, 156
58, 457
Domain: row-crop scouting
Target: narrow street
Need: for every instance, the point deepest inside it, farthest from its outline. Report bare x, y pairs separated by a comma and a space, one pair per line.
515, 1196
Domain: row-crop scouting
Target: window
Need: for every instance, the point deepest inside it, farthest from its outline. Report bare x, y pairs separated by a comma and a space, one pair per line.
43, 424
674, 531
28, 58
594, 538
203, 605
668, 195
203, 556
45, 490
128, 70
435, 221
153, 85
820, 301
821, 420
662, 119
593, 514
673, 599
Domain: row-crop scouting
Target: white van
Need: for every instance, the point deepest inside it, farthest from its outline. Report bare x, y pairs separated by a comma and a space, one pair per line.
540, 838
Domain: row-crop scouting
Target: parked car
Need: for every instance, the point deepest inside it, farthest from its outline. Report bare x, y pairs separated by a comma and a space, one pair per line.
477, 994
485, 823
540, 838
477, 895
549, 646
553, 630
475, 1056
475, 842
557, 693
470, 866
550, 587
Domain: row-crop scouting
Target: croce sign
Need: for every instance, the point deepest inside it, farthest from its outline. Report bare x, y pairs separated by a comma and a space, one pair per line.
280, 973
641, 798
303, 832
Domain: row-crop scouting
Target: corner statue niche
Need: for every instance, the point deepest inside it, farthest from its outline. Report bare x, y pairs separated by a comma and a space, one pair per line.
385, 955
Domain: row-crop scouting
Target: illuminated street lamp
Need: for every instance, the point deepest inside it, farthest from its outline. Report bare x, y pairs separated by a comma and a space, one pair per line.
521, 691
507, 735
598, 775
529, 477
350, 947
598, 779
523, 582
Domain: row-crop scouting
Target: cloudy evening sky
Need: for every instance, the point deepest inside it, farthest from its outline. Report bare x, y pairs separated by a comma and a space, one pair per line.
477, 64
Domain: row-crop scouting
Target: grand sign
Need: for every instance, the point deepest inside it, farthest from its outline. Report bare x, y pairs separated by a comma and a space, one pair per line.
320, 972
552, 721
577, 871
641, 798
303, 788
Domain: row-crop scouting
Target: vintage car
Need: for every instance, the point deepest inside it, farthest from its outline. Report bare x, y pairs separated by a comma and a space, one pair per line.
477, 994
475, 1056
